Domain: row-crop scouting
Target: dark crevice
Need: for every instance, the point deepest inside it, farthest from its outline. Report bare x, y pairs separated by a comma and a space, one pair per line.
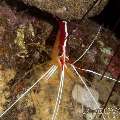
110, 17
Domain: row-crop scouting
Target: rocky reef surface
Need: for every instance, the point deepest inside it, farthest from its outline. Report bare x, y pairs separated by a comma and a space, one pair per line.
68, 9
26, 42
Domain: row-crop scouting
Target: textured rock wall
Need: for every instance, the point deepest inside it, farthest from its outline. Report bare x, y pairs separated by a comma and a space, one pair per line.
68, 9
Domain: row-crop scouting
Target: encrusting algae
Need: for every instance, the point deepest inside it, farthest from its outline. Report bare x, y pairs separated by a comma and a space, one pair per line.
40, 102
5, 76
20, 39
43, 95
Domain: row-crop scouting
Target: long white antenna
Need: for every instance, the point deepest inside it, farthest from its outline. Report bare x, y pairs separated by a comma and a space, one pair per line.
89, 45
59, 96
44, 75
87, 89
96, 73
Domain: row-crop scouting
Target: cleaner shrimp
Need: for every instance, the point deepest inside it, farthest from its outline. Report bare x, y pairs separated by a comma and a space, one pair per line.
59, 62
62, 66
